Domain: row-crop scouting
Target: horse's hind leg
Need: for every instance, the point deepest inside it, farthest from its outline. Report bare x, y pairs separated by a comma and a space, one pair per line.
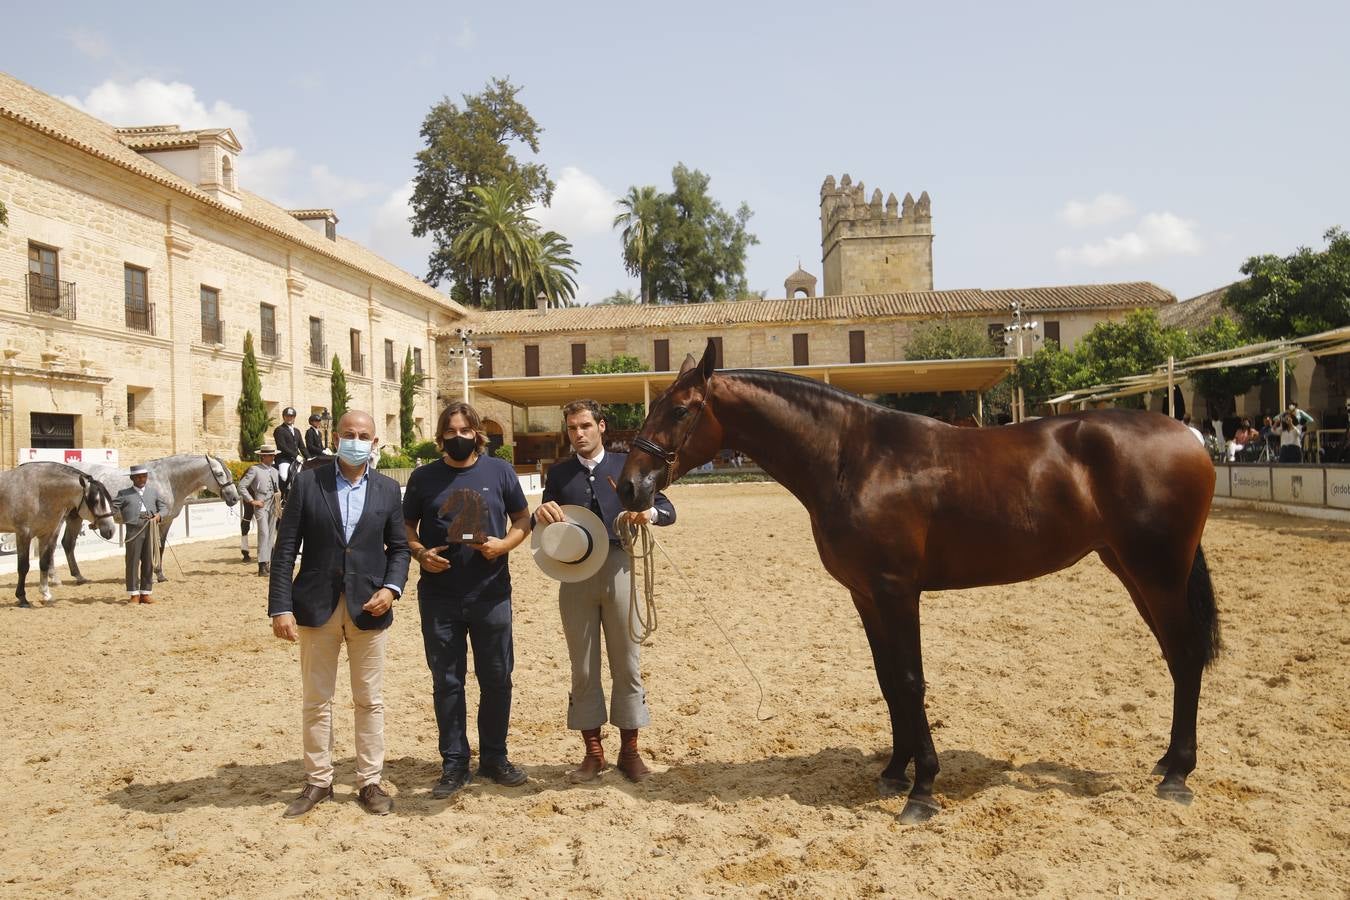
163, 539
1179, 608
47, 551
68, 539
23, 542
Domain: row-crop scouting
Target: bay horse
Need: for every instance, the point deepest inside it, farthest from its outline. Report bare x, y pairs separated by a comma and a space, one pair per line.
35, 499
901, 503
177, 478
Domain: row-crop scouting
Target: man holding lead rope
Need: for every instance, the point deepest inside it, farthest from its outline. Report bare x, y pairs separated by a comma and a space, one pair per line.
141, 509
599, 603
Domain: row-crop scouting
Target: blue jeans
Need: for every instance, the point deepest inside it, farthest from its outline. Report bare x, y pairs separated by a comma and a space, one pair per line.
447, 627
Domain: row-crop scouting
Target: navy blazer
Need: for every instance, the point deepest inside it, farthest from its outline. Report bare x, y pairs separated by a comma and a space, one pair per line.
568, 483
329, 566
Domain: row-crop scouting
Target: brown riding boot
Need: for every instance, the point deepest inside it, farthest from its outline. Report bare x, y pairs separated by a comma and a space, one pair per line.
594, 761
630, 763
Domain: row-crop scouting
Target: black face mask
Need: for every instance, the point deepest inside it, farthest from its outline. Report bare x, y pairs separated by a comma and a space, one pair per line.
459, 447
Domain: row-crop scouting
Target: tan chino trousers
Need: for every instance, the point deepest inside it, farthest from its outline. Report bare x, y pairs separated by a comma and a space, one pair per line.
319, 650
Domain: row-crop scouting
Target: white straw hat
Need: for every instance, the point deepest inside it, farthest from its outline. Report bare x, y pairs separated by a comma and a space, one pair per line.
571, 550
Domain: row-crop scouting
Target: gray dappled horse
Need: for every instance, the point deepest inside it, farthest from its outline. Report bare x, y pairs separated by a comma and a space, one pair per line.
176, 477
36, 498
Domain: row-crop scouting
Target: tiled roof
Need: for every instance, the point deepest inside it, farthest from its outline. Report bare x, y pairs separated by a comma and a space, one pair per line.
22, 103
1198, 311
312, 213
918, 304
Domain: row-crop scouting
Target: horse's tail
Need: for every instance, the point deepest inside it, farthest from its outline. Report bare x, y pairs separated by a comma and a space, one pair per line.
1204, 611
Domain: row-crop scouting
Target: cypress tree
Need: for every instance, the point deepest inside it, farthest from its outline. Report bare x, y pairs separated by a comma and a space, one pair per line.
253, 419
407, 396
338, 396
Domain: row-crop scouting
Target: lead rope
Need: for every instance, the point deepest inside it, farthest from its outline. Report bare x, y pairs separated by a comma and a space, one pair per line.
638, 541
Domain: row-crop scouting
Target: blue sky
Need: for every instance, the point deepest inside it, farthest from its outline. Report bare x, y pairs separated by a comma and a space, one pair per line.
1060, 142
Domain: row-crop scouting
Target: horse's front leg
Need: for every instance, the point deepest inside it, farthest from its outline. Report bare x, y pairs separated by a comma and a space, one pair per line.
47, 551
72, 533
898, 609
163, 540
894, 779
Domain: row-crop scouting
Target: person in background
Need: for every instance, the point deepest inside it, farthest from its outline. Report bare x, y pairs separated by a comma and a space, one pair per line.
314, 438
289, 455
260, 489
138, 507
1291, 437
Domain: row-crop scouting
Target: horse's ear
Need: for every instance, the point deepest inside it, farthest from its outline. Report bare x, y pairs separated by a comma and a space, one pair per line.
689, 363
709, 362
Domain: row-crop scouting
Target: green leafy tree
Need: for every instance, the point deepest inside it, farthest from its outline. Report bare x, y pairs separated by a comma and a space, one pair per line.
1048, 372
1291, 296
1219, 387
698, 248
642, 210
549, 270
408, 383
620, 298
465, 148
1133, 346
618, 415
337, 393
949, 339
254, 423
497, 241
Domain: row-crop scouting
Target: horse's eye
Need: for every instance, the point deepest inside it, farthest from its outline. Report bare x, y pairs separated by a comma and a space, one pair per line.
681, 412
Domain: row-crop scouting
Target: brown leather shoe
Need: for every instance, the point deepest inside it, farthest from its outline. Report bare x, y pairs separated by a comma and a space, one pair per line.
146, 598
630, 762
594, 761
375, 800
309, 798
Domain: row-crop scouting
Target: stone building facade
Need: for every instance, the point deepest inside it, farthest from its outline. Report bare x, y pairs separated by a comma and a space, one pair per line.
868, 247
134, 263
762, 333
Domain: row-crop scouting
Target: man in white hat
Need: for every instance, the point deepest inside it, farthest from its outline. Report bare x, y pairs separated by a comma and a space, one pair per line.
260, 488
597, 602
141, 508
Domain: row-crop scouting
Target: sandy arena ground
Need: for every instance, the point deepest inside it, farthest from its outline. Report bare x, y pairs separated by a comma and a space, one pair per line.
149, 751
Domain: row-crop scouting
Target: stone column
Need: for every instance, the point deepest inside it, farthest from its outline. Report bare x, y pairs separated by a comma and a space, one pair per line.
184, 315
375, 364
297, 325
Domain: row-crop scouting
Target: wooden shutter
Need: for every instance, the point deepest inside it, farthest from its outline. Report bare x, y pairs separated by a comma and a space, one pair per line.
1052, 332
531, 360
801, 354
485, 371
578, 358
857, 347
661, 355
719, 362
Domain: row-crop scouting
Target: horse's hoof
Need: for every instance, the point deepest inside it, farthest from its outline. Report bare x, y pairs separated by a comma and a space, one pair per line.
893, 787
1177, 793
1160, 768
916, 812
81, 580
161, 578
24, 604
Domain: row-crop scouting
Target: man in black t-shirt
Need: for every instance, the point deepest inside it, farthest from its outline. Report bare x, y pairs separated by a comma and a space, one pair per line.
463, 515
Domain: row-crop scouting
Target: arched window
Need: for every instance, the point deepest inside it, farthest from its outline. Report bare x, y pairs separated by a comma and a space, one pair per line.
226, 173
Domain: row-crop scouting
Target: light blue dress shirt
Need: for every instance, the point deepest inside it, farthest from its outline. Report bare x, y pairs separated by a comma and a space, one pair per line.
351, 500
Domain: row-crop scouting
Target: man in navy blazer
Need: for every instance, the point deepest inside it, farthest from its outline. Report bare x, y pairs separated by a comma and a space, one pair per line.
346, 523
600, 603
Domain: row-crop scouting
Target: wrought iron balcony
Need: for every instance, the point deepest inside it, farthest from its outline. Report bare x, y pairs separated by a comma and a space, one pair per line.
271, 343
213, 332
318, 354
51, 297
141, 318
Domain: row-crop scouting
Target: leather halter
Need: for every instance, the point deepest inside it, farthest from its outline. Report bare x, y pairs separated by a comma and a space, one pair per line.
670, 457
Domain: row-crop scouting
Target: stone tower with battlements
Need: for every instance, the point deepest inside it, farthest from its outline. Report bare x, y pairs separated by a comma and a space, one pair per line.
868, 247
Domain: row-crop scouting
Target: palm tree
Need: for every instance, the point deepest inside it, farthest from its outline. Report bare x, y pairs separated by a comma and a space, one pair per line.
496, 244
550, 271
641, 212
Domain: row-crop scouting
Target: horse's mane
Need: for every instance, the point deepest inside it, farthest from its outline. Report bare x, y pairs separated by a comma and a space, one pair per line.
799, 389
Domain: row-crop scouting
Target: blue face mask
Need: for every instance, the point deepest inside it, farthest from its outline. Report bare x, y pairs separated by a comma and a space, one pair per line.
353, 451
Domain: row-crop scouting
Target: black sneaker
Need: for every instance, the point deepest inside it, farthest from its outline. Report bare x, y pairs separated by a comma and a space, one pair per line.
503, 771
451, 782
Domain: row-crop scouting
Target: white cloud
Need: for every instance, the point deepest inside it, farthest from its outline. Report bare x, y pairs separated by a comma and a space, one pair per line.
1102, 209
391, 233
271, 173
337, 189
89, 44
581, 206
148, 101
1157, 234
